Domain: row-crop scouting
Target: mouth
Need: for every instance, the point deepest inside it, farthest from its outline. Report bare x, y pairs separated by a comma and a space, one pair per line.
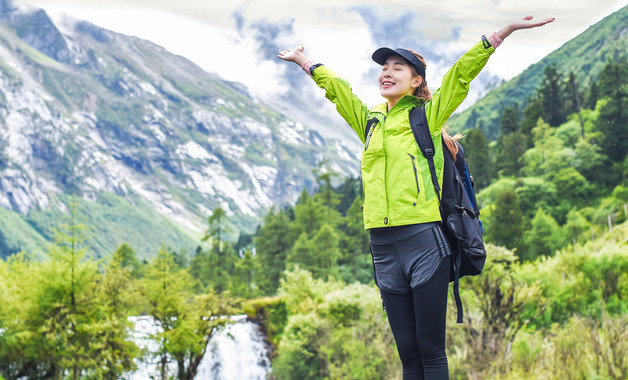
387, 84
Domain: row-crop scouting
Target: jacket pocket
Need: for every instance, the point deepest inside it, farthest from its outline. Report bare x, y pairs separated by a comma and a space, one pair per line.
416, 175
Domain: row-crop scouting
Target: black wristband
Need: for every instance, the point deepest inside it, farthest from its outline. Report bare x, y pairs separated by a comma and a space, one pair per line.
485, 42
314, 67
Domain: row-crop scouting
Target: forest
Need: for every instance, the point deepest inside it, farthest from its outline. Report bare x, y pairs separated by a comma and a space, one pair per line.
551, 303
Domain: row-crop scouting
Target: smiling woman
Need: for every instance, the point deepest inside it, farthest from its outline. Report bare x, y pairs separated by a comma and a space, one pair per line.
411, 257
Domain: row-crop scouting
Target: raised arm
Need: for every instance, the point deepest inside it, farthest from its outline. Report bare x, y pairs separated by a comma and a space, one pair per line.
455, 84
348, 105
508, 29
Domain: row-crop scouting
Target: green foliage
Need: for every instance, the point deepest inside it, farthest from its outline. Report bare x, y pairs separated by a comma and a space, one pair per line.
504, 222
614, 114
477, 154
494, 303
544, 238
319, 254
552, 97
187, 321
333, 331
270, 313
62, 317
273, 241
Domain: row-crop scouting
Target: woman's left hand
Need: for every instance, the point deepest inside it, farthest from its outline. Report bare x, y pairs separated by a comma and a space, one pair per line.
529, 25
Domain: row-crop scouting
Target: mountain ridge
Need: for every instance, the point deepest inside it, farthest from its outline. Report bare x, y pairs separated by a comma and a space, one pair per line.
97, 112
585, 55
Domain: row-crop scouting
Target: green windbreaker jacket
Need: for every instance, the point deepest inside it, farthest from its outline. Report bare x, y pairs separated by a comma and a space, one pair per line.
396, 177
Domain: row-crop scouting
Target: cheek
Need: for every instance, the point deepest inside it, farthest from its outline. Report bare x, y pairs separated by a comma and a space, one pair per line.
379, 77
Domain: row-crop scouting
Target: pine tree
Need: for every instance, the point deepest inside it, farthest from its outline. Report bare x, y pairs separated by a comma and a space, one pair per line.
513, 147
219, 264
319, 254
274, 240
505, 221
552, 97
510, 121
531, 116
613, 85
355, 261
477, 154
574, 99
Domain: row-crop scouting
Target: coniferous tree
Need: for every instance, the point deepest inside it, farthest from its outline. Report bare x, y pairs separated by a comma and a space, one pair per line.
274, 240
505, 221
613, 85
552, 97
592, 96
311, 214
355, 260
246, 272
477, 154
319, 254
510, 122
531, 115
513, 147
127, 258
117, 298
574, 99
220, 259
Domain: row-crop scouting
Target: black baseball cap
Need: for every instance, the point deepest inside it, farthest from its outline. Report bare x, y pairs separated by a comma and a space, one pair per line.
381, 55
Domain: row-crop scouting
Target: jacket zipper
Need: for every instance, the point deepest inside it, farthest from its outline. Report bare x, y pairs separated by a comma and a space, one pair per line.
416, 176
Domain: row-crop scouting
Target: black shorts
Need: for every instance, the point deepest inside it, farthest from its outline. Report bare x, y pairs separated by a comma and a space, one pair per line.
406, 257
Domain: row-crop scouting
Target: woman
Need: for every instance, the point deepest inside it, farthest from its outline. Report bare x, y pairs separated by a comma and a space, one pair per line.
410, 254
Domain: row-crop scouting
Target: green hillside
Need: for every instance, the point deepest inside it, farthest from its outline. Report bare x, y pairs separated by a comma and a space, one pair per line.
584, 55
109, 220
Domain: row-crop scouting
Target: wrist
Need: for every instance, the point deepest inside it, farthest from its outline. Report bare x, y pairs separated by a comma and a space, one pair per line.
494, 40
300, 59
306, 65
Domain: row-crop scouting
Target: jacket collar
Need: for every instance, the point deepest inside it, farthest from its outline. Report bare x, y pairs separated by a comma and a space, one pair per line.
408, 101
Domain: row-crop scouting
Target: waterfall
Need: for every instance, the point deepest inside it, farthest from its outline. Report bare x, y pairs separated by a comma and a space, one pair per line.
236, 352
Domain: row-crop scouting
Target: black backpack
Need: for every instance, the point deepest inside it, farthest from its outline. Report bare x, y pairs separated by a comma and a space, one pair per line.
458, 205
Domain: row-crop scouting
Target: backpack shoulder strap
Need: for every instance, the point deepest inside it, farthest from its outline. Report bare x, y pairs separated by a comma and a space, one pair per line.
369, 125
421, 132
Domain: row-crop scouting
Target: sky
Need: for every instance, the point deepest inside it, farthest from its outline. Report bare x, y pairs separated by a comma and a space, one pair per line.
239, 39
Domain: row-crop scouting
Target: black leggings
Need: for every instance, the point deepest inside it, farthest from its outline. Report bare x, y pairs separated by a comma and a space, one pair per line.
417, 321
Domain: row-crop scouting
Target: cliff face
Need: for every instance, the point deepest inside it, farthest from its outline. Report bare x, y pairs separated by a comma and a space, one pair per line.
86, 111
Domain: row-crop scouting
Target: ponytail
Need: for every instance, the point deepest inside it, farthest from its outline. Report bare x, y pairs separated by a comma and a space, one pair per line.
451, 142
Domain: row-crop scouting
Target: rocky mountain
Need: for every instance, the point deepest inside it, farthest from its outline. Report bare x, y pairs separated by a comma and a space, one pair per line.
143, 143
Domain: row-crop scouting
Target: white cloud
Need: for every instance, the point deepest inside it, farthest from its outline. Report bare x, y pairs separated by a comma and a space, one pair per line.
205, 32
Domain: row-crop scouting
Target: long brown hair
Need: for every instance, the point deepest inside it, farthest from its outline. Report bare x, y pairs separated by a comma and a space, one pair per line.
450, 141
424, 93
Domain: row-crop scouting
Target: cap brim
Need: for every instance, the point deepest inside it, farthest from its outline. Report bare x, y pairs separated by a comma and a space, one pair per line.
381, 55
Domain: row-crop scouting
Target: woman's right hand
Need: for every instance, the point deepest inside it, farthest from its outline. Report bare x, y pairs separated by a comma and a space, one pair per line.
293, 55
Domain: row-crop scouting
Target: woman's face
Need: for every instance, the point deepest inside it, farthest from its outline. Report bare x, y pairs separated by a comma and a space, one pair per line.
397, 79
